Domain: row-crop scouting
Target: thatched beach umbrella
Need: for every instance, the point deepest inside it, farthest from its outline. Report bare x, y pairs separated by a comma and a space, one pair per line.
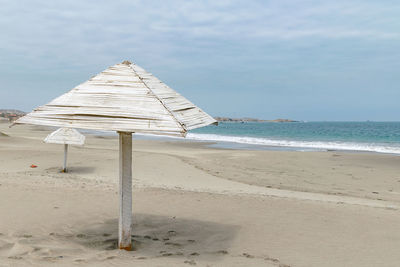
127, 99
65, 136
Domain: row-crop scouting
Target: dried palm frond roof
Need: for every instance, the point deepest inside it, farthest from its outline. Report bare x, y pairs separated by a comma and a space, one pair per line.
123, 98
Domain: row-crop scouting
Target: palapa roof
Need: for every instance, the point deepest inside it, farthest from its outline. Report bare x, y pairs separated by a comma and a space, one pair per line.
66, 136
123, 98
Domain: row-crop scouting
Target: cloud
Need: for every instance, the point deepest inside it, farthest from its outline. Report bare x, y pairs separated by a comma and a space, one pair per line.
270, 45
99, 31
65, 22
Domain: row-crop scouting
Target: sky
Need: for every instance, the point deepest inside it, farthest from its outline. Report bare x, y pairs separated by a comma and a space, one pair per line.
304, 60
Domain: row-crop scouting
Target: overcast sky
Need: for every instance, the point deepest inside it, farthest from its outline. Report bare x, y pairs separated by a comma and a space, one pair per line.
305, 60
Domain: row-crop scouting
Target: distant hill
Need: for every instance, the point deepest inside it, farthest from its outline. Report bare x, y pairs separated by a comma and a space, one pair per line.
11, 114
15, 111
282, 120
251, 120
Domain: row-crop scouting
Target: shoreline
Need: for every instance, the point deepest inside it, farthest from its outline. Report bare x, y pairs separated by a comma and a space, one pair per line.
266, 168
257, 143
247, 146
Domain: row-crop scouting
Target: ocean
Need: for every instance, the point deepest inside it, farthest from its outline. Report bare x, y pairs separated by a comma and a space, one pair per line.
382, 137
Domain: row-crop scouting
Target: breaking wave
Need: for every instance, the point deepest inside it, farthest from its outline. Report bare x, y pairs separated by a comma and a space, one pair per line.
317, 145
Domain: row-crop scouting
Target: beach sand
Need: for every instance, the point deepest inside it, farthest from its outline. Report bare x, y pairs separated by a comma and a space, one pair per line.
195, 205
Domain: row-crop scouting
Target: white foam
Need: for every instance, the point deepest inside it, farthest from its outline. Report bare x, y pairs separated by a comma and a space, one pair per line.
317, 145
299, 145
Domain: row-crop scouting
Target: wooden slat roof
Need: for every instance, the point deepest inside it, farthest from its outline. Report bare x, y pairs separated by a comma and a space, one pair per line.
124, 98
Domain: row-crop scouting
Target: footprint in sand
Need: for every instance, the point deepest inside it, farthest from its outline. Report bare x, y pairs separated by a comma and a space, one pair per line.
15, 257
55, 258
166, 254
248, 255
81, 236
173, 244
108, 244
26, 236
172, 233
190, 262
276, 261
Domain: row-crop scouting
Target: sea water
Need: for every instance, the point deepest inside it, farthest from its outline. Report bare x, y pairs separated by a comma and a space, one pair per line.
383, 137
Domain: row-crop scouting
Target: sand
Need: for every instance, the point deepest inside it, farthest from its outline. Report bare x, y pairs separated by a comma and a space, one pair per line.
195, 205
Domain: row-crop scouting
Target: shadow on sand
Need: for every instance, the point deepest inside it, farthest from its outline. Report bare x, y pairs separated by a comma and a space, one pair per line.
161, 236
72, 170
81, 169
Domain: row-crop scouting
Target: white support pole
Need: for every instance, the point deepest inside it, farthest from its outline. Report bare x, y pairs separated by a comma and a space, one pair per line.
65, 158
125, 191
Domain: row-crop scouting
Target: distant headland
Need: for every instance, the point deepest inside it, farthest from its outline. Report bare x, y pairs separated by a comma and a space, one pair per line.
226, 119
10, 114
